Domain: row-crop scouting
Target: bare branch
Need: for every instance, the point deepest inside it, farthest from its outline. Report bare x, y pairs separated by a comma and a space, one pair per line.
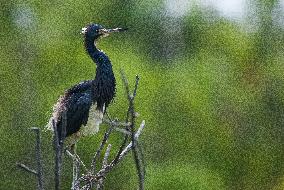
57, 156
130, 99
130, 145
26, 168
76, 173
77, 158
38, 157
99, 177
58, 146
136, 86
98, 153
100, 183
106, 156
39, 172
132, 128
116, 123
139, 131
123, 131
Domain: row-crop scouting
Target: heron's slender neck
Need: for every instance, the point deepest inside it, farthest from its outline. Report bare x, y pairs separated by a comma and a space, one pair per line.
104, 79
91, 49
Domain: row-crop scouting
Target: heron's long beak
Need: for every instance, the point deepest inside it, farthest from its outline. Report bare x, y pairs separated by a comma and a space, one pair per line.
106, 32
116, 30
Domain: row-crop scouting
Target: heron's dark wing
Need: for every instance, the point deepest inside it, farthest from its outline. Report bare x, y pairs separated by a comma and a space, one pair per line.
81, 87
76, 103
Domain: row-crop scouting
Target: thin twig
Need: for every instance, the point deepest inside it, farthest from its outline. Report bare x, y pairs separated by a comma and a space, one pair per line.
76, 173
125, 82
77, 158
99, 177
123, 131
38, 157
106, 155
98, 153
116, 123
131, 110
58, 146
100, 183
128, 148
136, 86
57, 156
130, 145
39, 172
26, 168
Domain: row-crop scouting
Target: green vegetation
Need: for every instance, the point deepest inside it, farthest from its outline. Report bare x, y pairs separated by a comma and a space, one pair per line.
211, 90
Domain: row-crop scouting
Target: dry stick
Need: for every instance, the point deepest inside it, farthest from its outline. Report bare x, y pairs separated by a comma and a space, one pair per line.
128, 111
134, 139
39, 172
117, 124
134, 147
38, 158
100, 184
98, 153
106, 155
136, 86
76, 172
26, 168
58, 144
77, 159
132, 128
57, 157
100, 175
129, 147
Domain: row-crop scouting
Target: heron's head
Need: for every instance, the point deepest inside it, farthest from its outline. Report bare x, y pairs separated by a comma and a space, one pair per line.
94, 31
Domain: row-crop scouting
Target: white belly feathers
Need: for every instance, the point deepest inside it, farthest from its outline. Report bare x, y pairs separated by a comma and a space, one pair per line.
95, 118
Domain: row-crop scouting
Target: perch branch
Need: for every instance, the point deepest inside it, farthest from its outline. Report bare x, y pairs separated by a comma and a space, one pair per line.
57, 157
39, 172
76, 157
130, 145
26, 168
130, 99
38, 157
98, 153
106, 156
76, 173
58, 146
101, 173
132, 113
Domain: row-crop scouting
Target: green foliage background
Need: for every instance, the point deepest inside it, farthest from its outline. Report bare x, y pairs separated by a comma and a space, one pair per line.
211, 90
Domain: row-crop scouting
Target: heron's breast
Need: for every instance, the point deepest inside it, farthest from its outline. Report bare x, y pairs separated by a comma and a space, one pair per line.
95, 118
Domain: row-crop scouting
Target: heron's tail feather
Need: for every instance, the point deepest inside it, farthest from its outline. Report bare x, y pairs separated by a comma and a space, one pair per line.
49, 125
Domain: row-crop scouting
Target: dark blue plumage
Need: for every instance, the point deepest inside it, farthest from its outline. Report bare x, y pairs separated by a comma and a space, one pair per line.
86, 102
